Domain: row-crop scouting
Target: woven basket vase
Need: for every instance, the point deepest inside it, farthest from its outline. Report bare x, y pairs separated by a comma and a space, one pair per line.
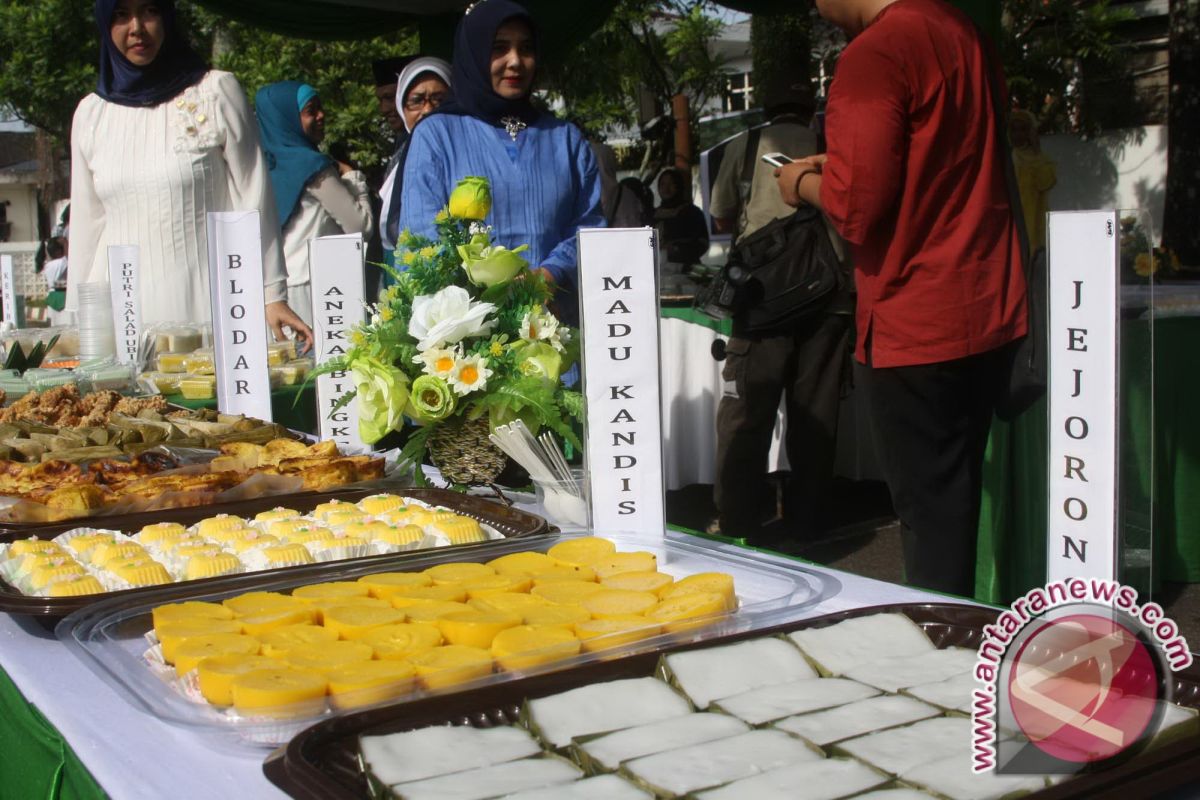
460, 448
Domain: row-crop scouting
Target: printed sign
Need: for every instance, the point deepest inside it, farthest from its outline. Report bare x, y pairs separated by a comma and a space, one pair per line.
617, 273
8, 287
1082, 259
238, 312
336, 266
127, 311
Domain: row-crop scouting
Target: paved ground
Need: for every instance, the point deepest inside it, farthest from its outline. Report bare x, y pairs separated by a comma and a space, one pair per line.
864, 538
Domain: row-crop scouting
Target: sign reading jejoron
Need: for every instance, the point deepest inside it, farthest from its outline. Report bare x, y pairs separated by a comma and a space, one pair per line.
619, 326
1082, 250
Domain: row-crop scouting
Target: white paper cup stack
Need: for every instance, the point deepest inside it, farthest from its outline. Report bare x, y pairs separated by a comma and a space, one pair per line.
97, 337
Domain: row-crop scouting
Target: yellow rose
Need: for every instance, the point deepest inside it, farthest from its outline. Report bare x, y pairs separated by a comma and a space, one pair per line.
471, 199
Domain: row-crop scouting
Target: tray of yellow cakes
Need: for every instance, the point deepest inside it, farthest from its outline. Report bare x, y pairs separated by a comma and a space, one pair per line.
260, 660
56, 575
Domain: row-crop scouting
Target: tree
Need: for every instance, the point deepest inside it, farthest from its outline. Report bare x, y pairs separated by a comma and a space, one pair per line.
1180, 231
49, 60
340, 71
657, 48
781, 50
50, 55
1064, 62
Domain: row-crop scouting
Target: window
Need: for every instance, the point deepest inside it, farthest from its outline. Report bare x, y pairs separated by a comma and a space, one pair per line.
737, 95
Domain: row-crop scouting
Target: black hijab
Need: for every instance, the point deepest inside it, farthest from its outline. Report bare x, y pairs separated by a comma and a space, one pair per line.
473, 95
175, 68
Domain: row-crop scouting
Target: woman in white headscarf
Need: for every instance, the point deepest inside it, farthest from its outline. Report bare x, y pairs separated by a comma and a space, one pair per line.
421, 87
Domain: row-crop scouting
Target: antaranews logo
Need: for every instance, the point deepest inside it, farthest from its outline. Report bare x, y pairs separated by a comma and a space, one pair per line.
1073, 676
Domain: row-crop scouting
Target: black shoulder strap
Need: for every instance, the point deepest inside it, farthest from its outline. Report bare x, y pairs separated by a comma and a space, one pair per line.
749, 159
1005, 152
746, 184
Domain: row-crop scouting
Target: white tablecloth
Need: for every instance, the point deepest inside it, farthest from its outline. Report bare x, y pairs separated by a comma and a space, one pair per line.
133, 755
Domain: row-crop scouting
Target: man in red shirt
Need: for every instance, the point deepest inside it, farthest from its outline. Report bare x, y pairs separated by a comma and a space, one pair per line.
914, 180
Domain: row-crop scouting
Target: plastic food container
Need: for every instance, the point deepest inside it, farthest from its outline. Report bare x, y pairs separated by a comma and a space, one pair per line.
110, 636
322, 763
198, 387
199, 362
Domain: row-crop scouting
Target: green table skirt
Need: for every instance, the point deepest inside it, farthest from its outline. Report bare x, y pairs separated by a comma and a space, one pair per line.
36, 763
1012, 527
293, 407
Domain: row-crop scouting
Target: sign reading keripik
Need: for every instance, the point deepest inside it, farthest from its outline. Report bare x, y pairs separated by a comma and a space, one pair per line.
337, 306
619, 325
235, 280
126, 306
1083, 260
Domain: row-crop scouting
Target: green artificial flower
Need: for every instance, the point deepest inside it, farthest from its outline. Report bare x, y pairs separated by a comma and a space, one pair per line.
432, 399
382, 396
488, 265
471, 199
541, 359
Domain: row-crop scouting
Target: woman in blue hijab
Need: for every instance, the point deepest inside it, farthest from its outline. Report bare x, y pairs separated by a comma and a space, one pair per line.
543, 175
163, 141
315, 195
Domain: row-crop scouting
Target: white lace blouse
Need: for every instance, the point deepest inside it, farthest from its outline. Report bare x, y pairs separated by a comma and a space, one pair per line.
149, 176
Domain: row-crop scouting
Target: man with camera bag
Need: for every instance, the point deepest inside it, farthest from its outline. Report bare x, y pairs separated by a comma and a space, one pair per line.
800, 354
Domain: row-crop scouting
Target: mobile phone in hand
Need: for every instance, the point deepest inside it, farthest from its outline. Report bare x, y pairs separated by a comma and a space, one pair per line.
776, 159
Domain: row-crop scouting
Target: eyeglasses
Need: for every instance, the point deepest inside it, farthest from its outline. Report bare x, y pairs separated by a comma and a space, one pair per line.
416, 102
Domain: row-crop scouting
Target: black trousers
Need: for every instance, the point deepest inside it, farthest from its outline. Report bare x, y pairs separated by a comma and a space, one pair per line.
808, 368
931, 424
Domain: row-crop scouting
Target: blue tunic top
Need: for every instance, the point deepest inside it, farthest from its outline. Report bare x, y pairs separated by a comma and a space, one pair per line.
545, 186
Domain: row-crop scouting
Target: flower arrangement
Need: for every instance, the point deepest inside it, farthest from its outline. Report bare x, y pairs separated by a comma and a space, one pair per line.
1139, 260
464, 336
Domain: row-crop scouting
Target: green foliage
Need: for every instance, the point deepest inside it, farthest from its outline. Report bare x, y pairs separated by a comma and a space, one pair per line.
657, 46
340, 71
504, 361
1063, 61
781, 50
49, 60
50, 52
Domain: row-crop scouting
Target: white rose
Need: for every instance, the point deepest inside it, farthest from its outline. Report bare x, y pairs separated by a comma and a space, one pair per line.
447, 317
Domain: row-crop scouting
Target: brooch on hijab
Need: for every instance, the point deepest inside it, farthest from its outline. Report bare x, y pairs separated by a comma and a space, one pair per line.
513, 126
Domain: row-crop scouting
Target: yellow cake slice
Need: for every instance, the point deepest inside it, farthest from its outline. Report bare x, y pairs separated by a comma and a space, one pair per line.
258, 602
617, 563
402, 641
475, 628
279, 642
378, 504
654, 582
450, 665
688, 610
273, 619
280, 692
385, 584
555, 615
581, 552
217, 674
619, 603
193, 650
569, 593
353, 622
369, 682
189, 609
76, 587
458, 572
564, 573
600, 634
199, 567
716, 582
526, 647
431, 610
324, 656
448, 592
529, 563
507, 601
331, 590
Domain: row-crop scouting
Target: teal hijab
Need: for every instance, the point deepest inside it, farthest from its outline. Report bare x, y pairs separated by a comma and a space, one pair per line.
292, 160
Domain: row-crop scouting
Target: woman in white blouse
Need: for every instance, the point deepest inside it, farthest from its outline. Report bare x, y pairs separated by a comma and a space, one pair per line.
315, 195
163, 141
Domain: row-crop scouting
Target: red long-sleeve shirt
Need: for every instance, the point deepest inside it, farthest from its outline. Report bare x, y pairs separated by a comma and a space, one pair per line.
915, 183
